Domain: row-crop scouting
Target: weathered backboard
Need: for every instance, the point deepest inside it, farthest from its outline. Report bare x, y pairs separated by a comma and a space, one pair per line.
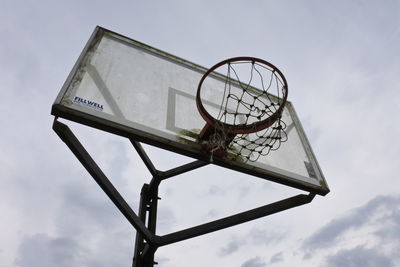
128, 88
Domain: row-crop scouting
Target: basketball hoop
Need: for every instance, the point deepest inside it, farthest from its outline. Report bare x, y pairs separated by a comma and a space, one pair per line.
248, 122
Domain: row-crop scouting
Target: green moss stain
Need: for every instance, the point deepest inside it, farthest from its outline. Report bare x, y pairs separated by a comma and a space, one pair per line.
191, 138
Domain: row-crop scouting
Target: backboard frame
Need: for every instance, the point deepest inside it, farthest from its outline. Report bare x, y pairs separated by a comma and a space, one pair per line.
276, 175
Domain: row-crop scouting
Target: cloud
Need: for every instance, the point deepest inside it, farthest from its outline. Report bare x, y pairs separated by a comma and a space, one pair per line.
84, 229
254, 262
256, 236
382, 213
166, 219
42, 250
278, 257
360, 256
88, 211
366, 236
391, 221
265, 237
215, 190
79, 240
230, 248
344, 71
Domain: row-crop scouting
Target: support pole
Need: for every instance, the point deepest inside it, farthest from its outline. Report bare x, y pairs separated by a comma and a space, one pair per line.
147, 242
144, 251
140, 242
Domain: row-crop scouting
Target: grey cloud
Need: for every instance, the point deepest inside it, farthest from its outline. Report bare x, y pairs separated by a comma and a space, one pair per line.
307, 256
212, 213
215, 190
359, 256
244, 191
119, 160
86, 209
44, 251
254, 262
392, 225
231, 247
38, 55
166, 219
369, 214
326, 236
278, 257
87, 229
265, 237
255, 236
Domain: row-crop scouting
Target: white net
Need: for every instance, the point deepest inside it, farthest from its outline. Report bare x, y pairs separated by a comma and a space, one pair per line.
242, 105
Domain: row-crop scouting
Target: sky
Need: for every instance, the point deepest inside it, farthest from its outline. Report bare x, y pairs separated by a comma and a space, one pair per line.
341, 61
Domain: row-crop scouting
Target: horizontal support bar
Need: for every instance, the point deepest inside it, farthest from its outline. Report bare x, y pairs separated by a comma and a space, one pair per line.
182, 169
236, 219
162, 175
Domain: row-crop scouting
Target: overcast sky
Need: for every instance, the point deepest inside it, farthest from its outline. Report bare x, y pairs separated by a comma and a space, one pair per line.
342, 62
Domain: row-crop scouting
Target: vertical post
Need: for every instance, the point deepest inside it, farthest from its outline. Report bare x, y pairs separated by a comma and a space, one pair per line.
144, 252
152, 223
139, 243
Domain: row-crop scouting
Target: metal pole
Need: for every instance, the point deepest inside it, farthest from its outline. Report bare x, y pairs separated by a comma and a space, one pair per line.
139, 243
144, 251
147, 242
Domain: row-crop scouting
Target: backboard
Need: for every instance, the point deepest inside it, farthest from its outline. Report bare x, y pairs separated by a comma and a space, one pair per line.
130, 89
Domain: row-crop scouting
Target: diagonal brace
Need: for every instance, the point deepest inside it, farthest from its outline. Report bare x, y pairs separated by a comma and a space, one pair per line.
162, 175
158, 176
236, 219
90, 165
145, 158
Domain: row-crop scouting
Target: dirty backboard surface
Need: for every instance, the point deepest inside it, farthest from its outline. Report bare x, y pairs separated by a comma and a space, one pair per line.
131, 89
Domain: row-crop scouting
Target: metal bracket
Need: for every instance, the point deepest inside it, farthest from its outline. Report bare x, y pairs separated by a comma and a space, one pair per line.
147, 242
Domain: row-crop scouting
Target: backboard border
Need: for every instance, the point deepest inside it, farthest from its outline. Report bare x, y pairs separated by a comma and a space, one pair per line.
62, 111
